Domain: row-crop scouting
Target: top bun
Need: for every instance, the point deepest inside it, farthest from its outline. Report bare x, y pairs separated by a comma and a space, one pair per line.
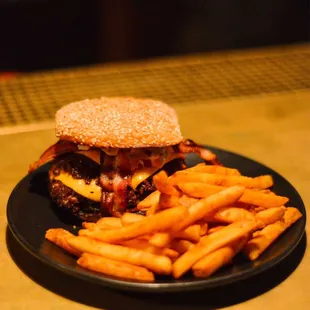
118, 123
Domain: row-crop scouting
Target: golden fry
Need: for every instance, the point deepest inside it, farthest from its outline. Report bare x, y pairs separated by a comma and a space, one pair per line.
187, 201
263, 239
89, 225
213, 169
251, 197
153, 209
215, 229
162, 183
181, 246
149, 201
217, 259
129, 218
168, 201
204, 229
271, 215
209, 205
152, 224
156, 263
191, 233
146, 246
230, 215
161, 239
260, 182
211, 243
114, 222
58, 236
115, 268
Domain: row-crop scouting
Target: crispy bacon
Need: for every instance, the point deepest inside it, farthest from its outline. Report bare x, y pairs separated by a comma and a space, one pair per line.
59, 148
188, 146
120, 187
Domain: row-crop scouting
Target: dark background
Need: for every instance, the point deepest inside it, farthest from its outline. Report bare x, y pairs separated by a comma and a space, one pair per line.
44, 34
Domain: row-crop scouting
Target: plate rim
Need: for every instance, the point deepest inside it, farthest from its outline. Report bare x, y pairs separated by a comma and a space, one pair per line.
204, 283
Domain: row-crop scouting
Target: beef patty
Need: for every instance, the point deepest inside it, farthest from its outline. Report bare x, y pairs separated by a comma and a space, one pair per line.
81, 167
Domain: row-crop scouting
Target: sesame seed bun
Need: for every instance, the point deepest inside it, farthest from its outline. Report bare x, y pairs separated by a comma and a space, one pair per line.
118, 123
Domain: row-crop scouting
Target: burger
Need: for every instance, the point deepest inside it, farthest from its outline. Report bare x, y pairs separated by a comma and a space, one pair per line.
107, 152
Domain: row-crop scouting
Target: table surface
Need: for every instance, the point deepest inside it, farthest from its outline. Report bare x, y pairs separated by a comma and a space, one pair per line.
272, 128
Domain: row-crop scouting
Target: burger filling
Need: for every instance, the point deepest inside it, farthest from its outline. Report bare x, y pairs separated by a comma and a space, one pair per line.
94, 182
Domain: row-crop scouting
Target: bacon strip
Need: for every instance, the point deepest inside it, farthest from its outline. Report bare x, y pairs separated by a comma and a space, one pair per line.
59, 148
188, 146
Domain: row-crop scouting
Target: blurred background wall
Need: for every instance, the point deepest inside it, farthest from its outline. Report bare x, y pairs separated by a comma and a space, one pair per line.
44, 34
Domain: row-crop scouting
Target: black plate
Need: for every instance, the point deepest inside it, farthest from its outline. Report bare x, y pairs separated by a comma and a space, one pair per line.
30, 213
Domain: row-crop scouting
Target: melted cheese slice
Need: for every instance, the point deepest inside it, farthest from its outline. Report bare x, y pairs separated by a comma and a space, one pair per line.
140, 175
91, 191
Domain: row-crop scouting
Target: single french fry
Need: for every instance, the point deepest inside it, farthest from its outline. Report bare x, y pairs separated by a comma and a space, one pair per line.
251, 197
168, 201
181, 246
161, 239
187, 201
149, 201
129, 218
162, 183
152, 224
264, 238
58, 236
210, 243
191, 233
115, 268
153, 209
89, 225
271, 215
204, 228
109, 222
255, 210
213, 169
146, 246
261, 182
217, 259
230, 215
215, 229
209, 205
291, 215
159, 264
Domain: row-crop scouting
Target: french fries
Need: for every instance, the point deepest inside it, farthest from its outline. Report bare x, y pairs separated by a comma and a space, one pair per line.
150, 201
58, 236
214, 169
208, 205
230, 215
260, 182
129, 218
198, 219
162, 183
159, 264
161, 239
264, 238
146, 246
210, 243
157, 222
115, 268
217, 259
271, 215
251, 197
